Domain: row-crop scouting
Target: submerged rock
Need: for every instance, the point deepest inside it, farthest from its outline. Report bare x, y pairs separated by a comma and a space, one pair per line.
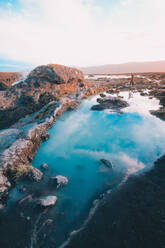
106, 163
35, 175
110, 103
59, 180
44, 166
47, 201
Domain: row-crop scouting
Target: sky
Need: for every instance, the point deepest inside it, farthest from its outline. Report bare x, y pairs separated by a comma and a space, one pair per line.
80, 32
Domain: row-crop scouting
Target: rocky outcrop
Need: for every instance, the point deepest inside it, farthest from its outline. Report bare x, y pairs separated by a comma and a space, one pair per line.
58, 74
159, 93
8, 78
110, 103
130, 216
160, 113
43, 85
3, 86
20, 144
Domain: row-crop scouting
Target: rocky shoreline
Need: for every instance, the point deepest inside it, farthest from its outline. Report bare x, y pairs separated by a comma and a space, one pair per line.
132, 216
31, 107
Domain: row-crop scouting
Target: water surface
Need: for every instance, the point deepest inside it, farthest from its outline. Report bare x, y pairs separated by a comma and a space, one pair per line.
132, 140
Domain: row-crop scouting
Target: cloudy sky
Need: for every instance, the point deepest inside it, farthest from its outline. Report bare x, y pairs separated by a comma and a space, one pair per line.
81, 32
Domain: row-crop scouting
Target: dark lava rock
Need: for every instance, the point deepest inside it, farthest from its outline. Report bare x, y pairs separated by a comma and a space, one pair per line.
110, 103
160, 113
102, 95
131, 216
106, 163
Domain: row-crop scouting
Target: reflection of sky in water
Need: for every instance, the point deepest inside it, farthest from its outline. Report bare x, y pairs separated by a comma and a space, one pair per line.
80, 139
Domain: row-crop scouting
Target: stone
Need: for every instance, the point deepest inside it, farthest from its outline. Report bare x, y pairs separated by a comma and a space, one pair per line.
47, 201
160, 113
3, 86
1, 206
35, 175
58, 74
110, 103
45, 136
44, 166
102, 95
59, 180
106, 163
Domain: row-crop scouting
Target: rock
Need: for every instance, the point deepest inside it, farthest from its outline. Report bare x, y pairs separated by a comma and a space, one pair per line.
1, 206
160, 113
8, 78
44, 166
7, 137
102, 95
59, 180
106, 163
3, 86
43, 85
98, 107
112, 91
110, 103
144, 94
45, 136
22, 189
58, 74
47, 201
35, 175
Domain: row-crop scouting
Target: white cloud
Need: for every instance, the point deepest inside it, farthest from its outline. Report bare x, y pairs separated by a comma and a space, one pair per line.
80, 32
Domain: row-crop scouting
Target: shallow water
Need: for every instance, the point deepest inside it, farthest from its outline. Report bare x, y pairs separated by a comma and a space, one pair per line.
79, 139
96, 77
132, 140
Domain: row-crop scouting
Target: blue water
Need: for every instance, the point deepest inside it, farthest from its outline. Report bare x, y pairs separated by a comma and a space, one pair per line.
79, 139
132, 140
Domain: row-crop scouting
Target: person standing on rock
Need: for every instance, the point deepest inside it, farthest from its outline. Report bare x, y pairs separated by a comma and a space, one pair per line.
132, 80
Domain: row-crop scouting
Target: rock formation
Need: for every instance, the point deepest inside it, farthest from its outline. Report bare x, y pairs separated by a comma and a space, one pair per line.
110, 103
43, 85
8, 78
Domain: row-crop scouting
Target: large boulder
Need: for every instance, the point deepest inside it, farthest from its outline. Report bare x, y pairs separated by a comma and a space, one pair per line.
58, 74
110, 103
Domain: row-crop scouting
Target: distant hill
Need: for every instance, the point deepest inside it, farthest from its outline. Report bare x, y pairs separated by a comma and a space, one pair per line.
131, 67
